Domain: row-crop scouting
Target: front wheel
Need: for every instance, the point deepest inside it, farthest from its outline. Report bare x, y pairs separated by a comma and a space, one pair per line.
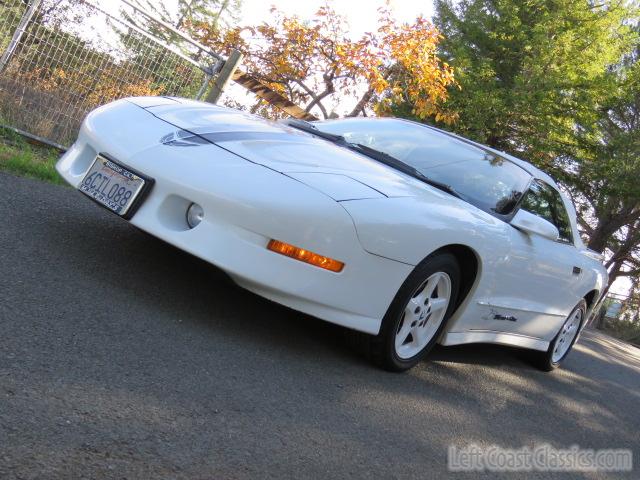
565, 339
418, 314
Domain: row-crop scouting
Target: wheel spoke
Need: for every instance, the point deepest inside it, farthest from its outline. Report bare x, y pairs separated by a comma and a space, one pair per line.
417, 334
403, 334
438, 304
431, 285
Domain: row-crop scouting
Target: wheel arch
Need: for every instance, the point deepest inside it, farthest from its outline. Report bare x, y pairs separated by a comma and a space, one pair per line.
591, 298
470, 268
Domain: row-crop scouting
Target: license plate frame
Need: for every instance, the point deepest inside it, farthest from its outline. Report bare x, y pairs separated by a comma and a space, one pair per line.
138, 184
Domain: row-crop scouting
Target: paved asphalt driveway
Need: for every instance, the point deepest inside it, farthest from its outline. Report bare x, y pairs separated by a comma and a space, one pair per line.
122, 357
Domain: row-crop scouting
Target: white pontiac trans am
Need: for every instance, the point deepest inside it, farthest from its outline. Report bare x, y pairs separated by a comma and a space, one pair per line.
406, 233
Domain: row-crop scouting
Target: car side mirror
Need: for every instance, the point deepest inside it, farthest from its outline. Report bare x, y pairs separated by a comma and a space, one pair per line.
530, 223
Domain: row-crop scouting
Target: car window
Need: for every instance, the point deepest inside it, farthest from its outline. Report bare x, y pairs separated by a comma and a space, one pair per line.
545, 201
485, 180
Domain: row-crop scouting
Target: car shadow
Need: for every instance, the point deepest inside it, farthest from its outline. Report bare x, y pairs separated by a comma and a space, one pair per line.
201, 293
484, 354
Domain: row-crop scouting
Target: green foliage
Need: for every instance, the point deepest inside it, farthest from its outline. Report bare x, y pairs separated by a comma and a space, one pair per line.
9, 19
627, 326
609, 147
529, 70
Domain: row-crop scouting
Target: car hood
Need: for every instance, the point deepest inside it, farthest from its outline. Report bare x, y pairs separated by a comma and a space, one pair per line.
339, 172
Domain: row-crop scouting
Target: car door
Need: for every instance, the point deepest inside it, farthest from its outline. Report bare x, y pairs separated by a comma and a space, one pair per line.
536, 285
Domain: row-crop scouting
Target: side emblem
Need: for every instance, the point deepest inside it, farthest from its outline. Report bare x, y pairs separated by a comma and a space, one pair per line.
494, 315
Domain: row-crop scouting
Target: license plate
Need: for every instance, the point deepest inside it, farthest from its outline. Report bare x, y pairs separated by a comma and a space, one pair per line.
111, 185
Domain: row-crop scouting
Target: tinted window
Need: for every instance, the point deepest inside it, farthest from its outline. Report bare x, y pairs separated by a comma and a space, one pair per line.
487, 181
545, 201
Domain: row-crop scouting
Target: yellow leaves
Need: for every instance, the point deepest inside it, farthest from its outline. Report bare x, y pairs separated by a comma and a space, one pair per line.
419, 76
303, 60
83, 88
112, 89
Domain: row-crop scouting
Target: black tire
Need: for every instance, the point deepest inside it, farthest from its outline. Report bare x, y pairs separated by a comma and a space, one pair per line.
382, 349
545, 360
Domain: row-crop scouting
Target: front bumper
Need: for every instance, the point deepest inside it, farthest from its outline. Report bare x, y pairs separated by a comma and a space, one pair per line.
245, 206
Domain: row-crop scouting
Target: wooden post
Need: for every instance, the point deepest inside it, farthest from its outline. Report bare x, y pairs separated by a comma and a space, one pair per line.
224, 77
261, 90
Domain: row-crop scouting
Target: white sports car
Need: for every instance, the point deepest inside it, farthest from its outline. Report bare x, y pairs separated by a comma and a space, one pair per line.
409, 234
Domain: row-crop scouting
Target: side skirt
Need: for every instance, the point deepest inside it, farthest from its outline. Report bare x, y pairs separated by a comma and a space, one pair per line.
491, 336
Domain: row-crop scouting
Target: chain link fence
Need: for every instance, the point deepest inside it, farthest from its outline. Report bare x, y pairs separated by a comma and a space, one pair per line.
63, 58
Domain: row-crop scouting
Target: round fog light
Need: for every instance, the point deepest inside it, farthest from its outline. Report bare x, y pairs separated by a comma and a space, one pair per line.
195, 214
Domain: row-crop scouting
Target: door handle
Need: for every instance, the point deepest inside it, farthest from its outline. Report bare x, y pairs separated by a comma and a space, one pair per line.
577, 270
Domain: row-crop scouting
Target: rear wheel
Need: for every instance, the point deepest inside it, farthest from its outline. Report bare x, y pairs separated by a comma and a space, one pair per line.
565, 339
418, 314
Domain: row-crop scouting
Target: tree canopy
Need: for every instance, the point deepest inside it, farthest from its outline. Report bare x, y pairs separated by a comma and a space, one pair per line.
318, 64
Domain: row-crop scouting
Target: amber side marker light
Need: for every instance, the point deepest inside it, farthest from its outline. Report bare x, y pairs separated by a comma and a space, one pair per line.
305, 256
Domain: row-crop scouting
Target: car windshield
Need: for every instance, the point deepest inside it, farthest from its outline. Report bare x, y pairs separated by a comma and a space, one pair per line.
485, 180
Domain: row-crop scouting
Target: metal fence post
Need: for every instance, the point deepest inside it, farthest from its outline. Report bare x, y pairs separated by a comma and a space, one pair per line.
20, 31
224, 77
209, 72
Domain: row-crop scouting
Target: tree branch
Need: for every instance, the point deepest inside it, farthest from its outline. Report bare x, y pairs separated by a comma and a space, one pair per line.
362, 103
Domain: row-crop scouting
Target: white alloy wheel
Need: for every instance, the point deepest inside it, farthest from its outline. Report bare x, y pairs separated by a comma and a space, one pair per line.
565, 338
423, 315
